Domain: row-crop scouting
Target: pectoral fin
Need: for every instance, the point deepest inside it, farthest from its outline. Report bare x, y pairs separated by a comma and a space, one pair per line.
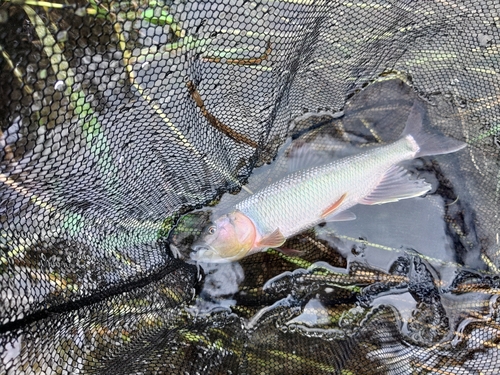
275, 239
396, 185
333, 207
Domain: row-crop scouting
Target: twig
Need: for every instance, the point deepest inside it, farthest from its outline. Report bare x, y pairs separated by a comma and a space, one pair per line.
249, 61
214, 121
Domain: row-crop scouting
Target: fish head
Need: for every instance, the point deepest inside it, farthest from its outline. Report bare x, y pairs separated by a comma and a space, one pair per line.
227, 239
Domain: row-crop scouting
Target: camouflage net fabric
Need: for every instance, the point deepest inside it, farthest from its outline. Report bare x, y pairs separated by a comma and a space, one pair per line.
119, 118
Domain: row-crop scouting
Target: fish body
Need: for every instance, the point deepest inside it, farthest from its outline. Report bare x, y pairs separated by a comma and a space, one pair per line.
299, 201
322, 193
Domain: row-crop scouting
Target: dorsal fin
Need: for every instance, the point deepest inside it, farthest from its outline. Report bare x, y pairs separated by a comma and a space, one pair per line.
305, 157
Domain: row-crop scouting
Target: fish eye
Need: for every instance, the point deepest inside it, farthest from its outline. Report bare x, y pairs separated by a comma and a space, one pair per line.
211, 229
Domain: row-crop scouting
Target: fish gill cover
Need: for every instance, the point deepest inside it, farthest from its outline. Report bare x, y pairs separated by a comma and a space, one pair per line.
119, 118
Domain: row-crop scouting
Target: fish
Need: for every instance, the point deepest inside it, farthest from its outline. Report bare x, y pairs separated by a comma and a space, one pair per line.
322, 193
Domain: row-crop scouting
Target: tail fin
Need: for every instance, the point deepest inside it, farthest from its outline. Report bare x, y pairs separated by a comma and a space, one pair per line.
428, 144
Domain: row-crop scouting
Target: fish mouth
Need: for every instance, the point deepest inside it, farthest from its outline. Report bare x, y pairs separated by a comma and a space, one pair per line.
199, 251
198, 246
206, 254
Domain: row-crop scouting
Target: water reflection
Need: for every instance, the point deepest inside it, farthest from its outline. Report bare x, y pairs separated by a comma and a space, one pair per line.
413, 223
221, 283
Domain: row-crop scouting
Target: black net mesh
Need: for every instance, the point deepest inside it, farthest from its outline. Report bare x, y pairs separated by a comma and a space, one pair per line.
119, 118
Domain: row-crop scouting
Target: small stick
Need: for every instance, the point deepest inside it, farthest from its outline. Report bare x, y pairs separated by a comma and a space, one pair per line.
214, 121
250, 61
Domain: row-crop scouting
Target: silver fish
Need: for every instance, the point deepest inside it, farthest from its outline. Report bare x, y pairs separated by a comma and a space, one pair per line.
323, 193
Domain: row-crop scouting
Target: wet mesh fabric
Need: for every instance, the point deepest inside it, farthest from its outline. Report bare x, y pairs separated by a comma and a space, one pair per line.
123, 123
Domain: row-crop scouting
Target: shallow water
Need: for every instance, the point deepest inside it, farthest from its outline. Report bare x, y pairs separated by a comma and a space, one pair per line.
403, 267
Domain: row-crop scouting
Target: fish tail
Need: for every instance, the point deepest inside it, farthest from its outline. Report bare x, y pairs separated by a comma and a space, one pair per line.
425, 143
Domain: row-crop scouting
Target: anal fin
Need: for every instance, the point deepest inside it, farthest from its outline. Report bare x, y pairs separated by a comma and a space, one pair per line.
275, 239
394, 186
